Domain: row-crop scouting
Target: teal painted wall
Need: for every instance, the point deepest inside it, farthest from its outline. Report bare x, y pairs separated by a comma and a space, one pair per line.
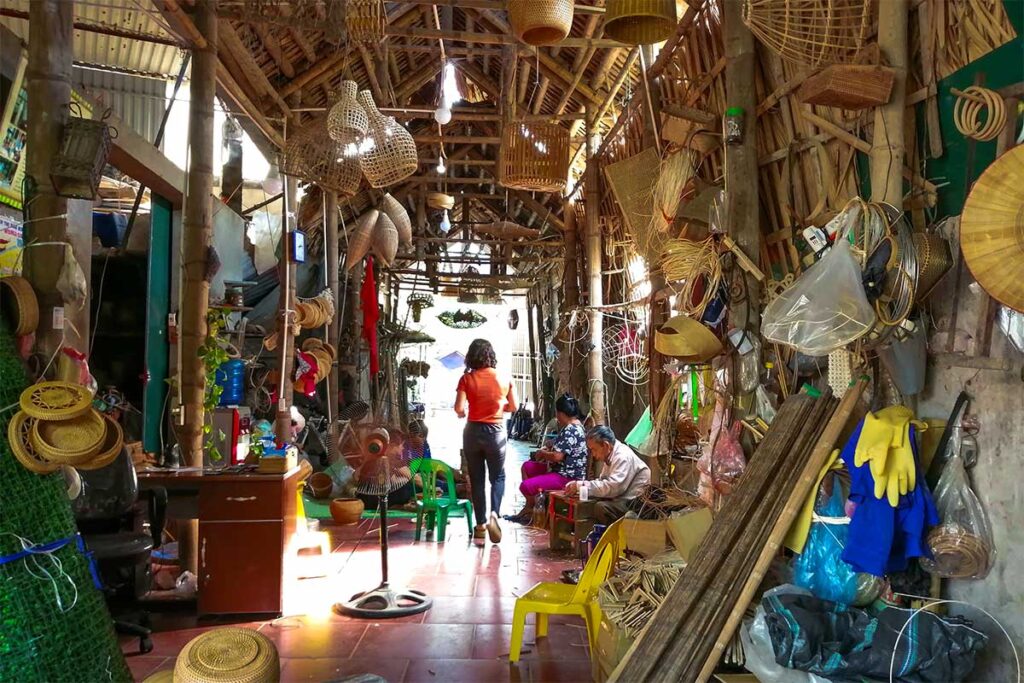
158, 295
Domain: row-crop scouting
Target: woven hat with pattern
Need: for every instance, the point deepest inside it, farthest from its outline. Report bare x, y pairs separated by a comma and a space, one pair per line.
228, 655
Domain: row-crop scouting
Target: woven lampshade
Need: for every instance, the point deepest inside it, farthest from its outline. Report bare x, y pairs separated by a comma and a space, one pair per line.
347, 122
400, 217
361, 239
992, 229
535, 156
385, 240
228, 655
18, 304
811, 32
366, 20
311, 154
540, 22
640, 22
393, 157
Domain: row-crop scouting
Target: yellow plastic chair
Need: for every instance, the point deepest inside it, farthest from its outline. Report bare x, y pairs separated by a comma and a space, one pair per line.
549, 597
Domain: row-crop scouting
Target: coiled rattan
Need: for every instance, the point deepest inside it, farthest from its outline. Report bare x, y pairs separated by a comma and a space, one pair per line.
967, 110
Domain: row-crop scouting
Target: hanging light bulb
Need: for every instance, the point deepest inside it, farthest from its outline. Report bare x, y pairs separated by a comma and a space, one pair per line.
446, 223
443, 114
441, 168
273, 183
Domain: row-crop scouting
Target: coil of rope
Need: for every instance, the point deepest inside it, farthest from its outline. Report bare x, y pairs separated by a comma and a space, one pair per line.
694, 264
967, 110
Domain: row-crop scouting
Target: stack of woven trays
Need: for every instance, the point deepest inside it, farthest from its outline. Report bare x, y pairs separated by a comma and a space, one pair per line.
324, 354
58, 426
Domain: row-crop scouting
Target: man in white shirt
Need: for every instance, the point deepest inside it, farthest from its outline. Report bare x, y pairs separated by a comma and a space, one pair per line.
623, 475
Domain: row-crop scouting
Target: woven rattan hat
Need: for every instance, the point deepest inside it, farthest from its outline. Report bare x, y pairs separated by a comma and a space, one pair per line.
18, 304
640, 22
992, 229
113, 442
55, 401
70, 442
228, 655
686, 339
19, 431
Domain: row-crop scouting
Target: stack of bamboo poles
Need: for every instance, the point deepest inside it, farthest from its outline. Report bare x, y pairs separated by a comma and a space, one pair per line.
691, 630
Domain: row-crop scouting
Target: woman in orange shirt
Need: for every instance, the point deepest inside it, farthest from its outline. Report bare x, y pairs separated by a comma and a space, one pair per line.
488, 397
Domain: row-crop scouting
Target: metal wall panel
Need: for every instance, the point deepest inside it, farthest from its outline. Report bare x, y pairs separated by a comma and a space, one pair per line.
137, 101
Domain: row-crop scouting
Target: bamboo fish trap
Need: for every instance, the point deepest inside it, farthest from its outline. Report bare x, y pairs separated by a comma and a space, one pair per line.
535, 156
811, 32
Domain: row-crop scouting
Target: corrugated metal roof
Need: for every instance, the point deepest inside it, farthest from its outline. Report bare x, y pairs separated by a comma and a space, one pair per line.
137, 101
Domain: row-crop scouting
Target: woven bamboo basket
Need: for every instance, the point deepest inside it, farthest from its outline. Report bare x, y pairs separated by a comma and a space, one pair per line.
632, 182
933, 262
113, 442
366, 20
393, 157
811, 32
70, 442
311, 154
19, 436
18, 304
535, 156
362, 237
347, 122
78, 165
506, 230
394, 210
385, 240
640, 22
540, 22
849, 86
228, 655
55, 401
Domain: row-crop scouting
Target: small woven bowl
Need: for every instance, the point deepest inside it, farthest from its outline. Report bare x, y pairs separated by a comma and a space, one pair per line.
19, 435
228, 655
18, 301
113, 442
70, 442
56, 401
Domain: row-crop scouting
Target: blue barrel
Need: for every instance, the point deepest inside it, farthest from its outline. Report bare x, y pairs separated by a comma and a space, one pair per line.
230, 377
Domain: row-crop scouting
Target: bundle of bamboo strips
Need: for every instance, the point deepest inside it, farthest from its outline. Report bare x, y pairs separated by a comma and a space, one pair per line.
631, 597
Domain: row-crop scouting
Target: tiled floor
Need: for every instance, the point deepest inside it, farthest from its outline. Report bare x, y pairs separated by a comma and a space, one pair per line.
464, 637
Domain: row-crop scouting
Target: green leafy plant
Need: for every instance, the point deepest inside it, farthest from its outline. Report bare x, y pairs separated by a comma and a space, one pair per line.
213, 353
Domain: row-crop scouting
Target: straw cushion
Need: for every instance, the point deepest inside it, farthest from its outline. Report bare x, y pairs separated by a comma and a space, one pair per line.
640, 22
70, 442
992, 229
228, 655
18, 304
19, 437
540, 22
55, 401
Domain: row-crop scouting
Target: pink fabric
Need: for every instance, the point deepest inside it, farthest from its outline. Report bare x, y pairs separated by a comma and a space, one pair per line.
536, 478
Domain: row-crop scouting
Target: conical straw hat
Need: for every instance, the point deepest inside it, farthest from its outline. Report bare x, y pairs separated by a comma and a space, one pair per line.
992, 229
687, 339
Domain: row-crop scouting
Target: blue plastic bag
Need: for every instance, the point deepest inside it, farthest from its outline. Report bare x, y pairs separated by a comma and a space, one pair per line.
820, 569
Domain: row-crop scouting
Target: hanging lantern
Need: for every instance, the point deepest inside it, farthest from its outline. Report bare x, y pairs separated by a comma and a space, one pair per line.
535, 156
640, 22
347, 123
365, 20
393, 154
78, 165
418, 302
513, 319
540, 22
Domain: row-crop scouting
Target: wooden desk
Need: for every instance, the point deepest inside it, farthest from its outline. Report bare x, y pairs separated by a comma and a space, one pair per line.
246, 524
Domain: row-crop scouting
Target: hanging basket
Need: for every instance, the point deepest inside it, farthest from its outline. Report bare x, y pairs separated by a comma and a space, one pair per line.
311, 154
361, 239
640, 22
347, 122
811, 32
849, 86
400, 217
393, 157
366, 20
385, 240
506, 230
535, 156
77, 167
540, 22
18, 305
70, 442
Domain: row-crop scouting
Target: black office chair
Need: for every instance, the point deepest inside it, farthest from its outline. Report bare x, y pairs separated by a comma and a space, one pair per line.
108, 518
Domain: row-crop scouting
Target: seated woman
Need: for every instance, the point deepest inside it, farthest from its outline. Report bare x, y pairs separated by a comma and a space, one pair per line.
559, 463
623, 475
370, 476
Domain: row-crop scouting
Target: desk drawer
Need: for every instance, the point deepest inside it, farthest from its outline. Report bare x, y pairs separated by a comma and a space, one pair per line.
240, 501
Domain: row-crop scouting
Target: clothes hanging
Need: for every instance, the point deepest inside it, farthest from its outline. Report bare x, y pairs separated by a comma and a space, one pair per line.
371, 314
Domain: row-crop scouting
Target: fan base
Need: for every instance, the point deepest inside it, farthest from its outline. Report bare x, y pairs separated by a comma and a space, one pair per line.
385, 602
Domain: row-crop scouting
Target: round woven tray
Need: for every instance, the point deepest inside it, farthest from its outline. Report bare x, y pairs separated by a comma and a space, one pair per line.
19, 431
228, 655
113, 442
18, 304
55, 401
70, 442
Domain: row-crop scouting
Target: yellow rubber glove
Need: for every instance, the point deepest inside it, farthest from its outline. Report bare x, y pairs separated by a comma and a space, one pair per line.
885, 445
900, 476
873, 446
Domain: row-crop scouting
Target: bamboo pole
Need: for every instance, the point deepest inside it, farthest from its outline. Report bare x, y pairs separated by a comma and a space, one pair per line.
595, 295
285, 307
331, 255
888, 150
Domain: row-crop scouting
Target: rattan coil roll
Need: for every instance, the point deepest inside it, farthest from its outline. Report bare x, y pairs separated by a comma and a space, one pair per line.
640, 22
228, 655
19, 436
811, 32
70, 442
361, 239
347, 122
958, 554
393, 157
394, 210
535, 156
55, 401
385, 240
540, 22
113, 442
967, 109
18, 304
933, 261
365, 20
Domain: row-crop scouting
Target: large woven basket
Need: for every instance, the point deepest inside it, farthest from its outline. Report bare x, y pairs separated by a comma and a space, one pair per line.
640, 22
385, 240
393, 157
18, 305
394, 210
365, 20
55, 401
361, 239
540, 22
535, 156
347, 122
228, 655
811, 32
933, 261
312, 155
849, 86
77, 167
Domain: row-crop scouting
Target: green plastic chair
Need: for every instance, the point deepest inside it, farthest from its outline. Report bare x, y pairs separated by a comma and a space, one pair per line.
432, 506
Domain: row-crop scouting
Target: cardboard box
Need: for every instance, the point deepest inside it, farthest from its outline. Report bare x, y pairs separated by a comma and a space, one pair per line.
611, 646
647, 537
687, 529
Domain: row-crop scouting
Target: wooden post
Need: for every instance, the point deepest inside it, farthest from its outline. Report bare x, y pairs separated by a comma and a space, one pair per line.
285, 307
331, 256
197, 233
887, 145
48, 82
595, 357
571, 294
741, 170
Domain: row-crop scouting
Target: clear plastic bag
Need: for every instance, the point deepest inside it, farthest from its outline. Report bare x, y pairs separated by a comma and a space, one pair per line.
825, 309
724, 463
71, 282
962, 545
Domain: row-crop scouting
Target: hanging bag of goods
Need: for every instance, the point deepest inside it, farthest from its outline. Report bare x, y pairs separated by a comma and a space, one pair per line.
962, 545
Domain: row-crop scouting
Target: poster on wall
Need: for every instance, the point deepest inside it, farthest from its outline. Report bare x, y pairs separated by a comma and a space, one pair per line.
11, 244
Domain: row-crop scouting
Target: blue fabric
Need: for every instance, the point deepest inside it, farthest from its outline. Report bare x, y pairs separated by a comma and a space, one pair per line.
882, 539
572, 443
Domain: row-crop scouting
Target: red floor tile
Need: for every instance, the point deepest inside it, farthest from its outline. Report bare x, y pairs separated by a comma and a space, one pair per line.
316, 640
142, 666
563, 641
444, 641
457, 671
481, 610
325, 669
447, 585
506, 586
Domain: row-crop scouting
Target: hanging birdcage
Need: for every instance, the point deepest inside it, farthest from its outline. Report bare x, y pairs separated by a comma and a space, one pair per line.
85, 146
535, 156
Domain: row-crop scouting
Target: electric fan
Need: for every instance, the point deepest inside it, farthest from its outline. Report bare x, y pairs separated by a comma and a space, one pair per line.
380, 470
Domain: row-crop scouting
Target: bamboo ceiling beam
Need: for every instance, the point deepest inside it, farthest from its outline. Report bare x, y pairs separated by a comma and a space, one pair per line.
308, 50
457, 139
371, 73
460, 162
483, 81
230, 42
273, 47
499, 5
427, 180
490, 38
417, 80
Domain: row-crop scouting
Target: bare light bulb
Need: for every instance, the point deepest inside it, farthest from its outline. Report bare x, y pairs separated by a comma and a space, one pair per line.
446, 223
441, 168
443, 115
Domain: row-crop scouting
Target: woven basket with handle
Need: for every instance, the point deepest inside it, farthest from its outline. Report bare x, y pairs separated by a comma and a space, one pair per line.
535, 156
540, 22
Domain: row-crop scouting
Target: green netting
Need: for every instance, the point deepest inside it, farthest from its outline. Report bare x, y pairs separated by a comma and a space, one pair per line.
50, 630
